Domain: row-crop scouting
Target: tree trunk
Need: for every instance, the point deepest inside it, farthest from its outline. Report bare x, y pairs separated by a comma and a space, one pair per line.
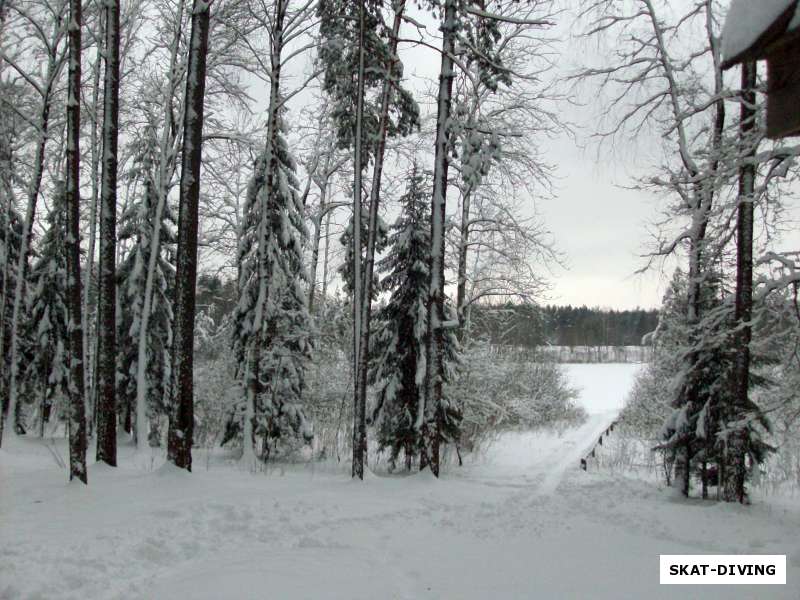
434, 367
107, 343
6, 206
77, 415
359, 410
323, 211
181, 423
738, 440
461, 290
89, 375
372, 234
326, 260
165, 172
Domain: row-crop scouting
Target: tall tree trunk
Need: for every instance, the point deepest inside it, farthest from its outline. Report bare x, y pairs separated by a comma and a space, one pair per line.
181, 423
359, 410
738, 441
372, 233
326, 260
7, 229
434, 367
323, 211
89, 372
77, 415
6, 157
463, 244
107, 343
165, 172
312, 288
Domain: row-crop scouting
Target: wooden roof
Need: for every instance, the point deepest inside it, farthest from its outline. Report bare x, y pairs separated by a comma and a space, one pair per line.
773, 39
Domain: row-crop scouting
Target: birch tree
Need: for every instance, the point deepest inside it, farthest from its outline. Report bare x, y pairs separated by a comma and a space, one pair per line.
138, 225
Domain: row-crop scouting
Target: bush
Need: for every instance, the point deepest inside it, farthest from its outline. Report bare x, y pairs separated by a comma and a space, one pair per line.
499, 393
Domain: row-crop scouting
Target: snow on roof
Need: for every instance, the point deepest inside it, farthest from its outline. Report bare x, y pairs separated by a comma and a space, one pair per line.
748, 20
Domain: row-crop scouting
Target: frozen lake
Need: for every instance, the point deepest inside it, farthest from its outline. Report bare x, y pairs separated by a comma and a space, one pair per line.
603, 387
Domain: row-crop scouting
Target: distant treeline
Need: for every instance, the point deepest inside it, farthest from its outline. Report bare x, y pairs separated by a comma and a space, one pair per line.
524, 325
530, 325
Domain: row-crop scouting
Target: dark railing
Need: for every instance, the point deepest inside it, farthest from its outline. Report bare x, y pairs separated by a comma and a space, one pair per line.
592, 453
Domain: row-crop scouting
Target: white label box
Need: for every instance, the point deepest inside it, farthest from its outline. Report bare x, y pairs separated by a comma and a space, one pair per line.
723, 569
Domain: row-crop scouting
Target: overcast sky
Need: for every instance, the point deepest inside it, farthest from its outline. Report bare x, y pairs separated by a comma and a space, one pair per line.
599, 223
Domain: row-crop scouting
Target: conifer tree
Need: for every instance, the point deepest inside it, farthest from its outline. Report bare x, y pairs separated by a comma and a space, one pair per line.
354, 41
10, 244
279, 333
698, 428
346, 240
47, 371
138, 225
397, 365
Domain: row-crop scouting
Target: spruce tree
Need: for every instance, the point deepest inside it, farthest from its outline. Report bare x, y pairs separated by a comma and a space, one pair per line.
10, 244
397, 365
47, 371
346, 240
698, 428
137, 224
281, 332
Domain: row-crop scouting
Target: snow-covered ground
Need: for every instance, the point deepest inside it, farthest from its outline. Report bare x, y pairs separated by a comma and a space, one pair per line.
520, 521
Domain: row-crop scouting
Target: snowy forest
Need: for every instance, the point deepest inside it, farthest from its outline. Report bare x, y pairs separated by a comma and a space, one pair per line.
239, 233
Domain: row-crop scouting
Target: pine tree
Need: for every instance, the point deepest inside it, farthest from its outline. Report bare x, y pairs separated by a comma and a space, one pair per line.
397, 365
47, 371
107, 340
77, 412
181, 422
280, 334
354, 38
338, 53
138, 224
